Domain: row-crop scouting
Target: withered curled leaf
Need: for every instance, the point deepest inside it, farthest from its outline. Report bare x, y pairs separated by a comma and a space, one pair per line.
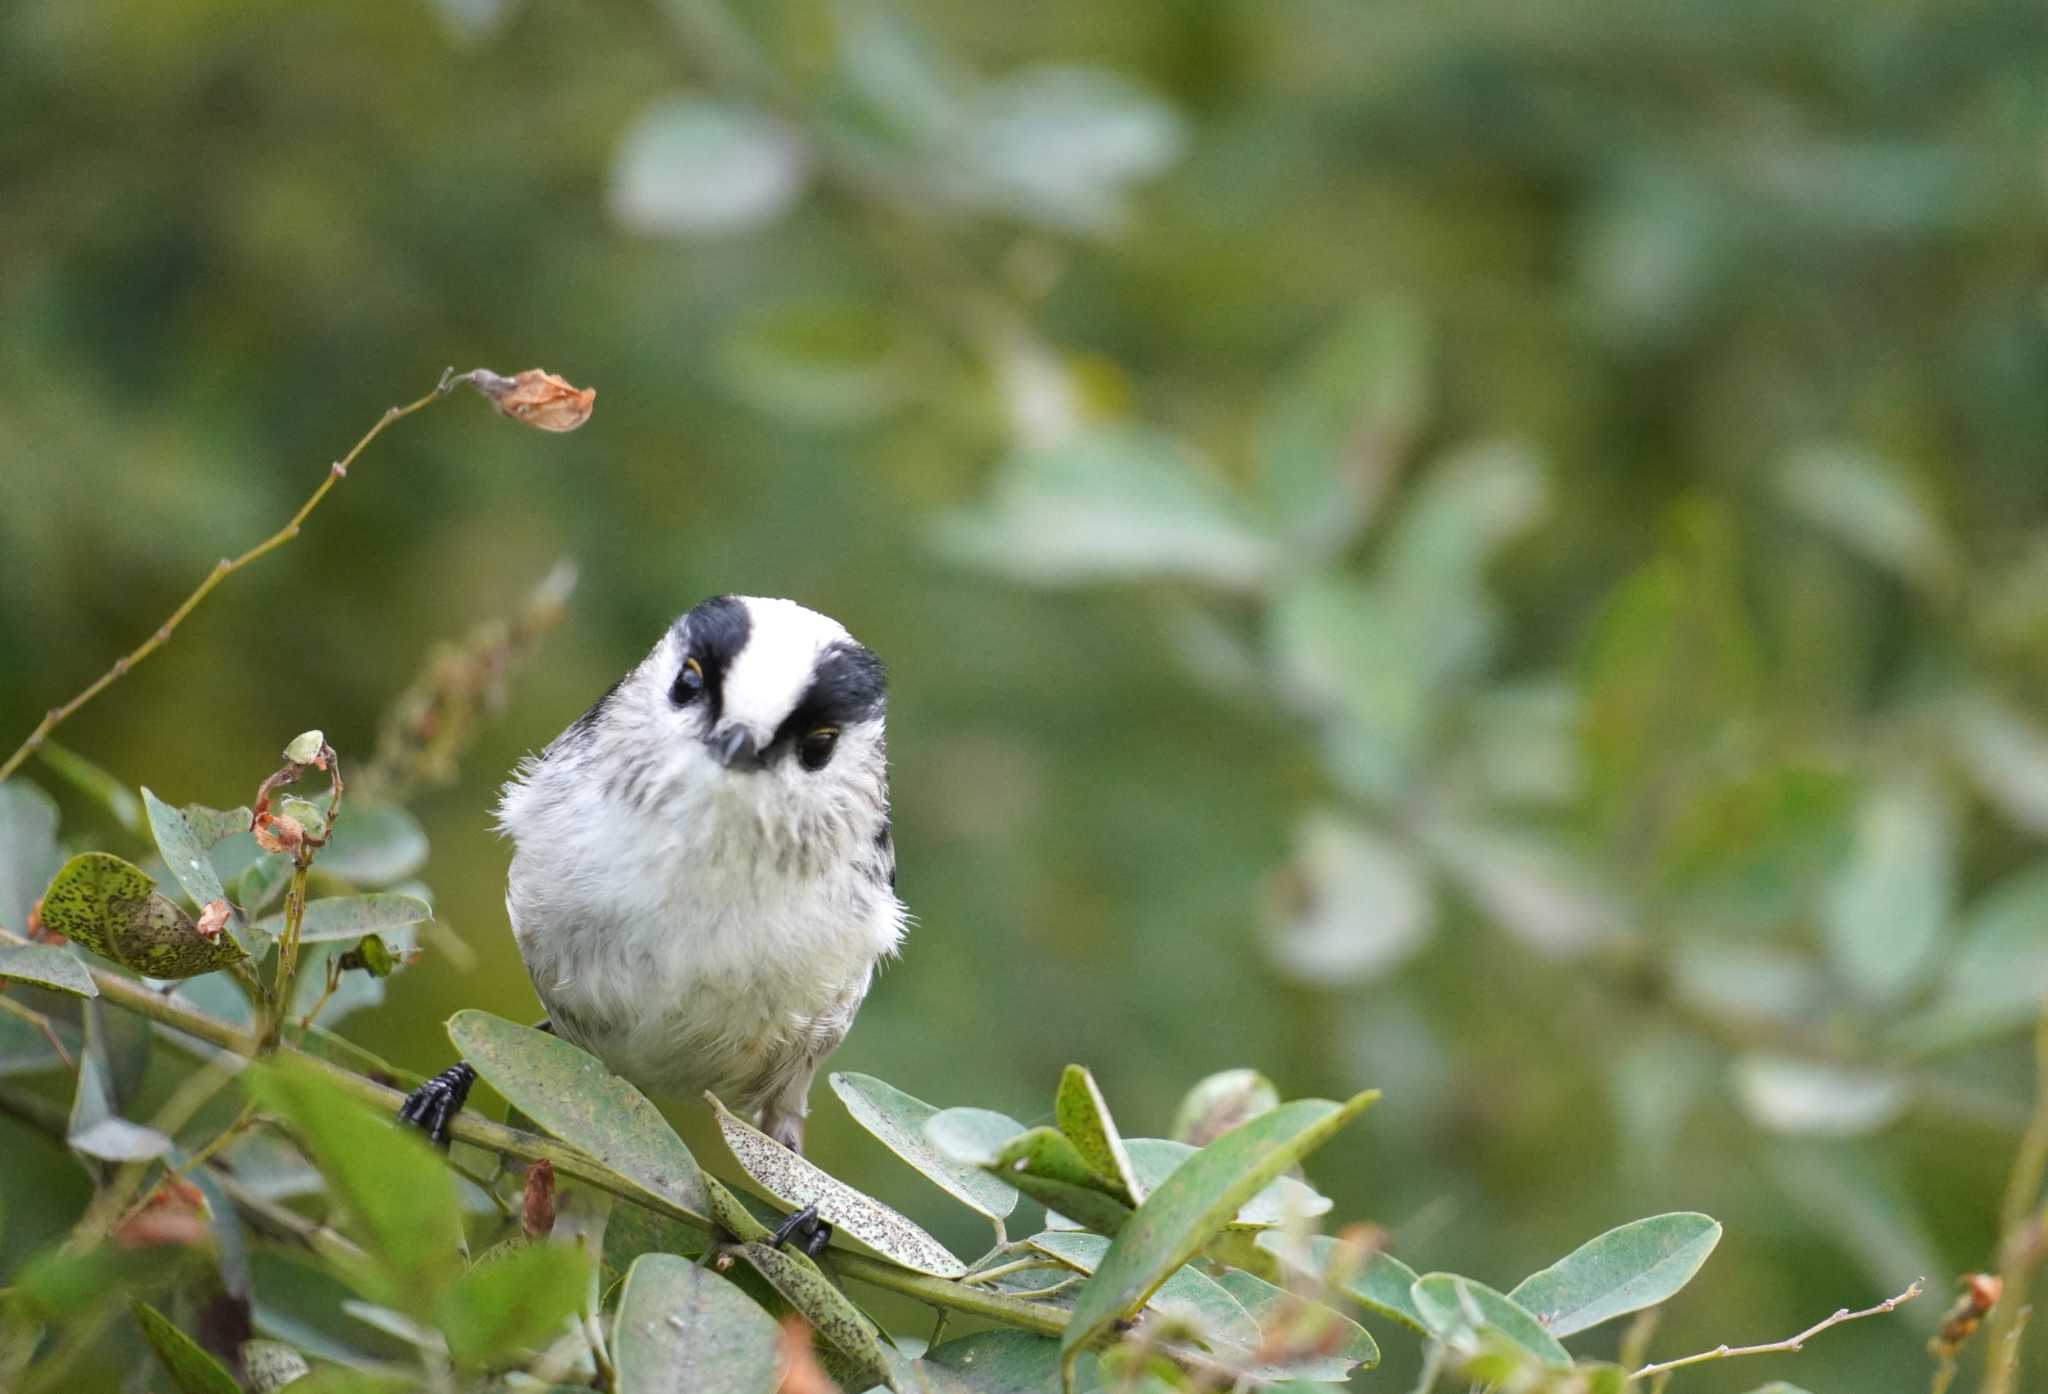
537, 398
212, 920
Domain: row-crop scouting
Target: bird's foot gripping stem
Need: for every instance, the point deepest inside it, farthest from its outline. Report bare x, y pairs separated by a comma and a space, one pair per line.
433, 1105
809, 1233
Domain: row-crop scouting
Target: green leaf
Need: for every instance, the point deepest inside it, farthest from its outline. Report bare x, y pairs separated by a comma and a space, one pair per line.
825, 1307
261, 882
1334, 432
374, 845
1998, 979
1870, 508
340, 1379
1340, 653
682, 1329
1040, 1162
1113, 504
1778, 1386
515, 1302
690, 167
1326, 1344
1061, 145
95, 783
46, 965
305, 747
998, 1361
96, 1127
1194, 1203
1355, 905
1887, 904
1628, 1268
797, 1183
1188, 1295
833, 362
1460, 1309
110, 907
1081, 1113
570, 1093
28, 850
1219, 1103
899, 1120
397, 1194
1382, 1283
1815, 1097
970, 1136
1286, 1199
190, 1368
352, 916
183, 842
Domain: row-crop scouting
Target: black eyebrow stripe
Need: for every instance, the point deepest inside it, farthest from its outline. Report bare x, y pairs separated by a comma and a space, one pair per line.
848, 685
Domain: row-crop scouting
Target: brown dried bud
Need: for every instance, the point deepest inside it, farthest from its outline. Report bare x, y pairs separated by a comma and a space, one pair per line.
537, 1211
278, 832
175, 1213
1980, 1294
213, 918
38, 931
537, 398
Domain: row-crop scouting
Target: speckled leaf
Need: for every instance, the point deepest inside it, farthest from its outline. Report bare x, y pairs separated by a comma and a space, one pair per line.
1455, 1306
568, 1092
899, 1120
269, 1366
998, 1361
46, 965
1187, 1295
1083, 1116
519, 1300
682, 1329
796, 1183
113, 909
1629, 1268
827, 1309
1286, 1199
352, 916
1331, 1344
398, 1196
1221, 1102
191, 1369
1195, 1202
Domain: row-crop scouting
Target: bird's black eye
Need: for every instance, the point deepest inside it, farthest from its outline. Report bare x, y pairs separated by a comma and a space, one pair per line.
814, 751
689, 683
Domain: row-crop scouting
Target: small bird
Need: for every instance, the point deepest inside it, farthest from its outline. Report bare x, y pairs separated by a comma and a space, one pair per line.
703, 881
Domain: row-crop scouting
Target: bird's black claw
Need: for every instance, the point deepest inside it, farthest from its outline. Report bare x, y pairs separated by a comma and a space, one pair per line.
810, 1233
434, 1104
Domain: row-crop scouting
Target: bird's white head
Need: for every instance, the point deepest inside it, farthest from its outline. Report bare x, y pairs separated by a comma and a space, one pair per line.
756, 716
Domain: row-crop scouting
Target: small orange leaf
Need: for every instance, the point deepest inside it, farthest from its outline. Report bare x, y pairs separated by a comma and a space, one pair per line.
212, 920
278, 832
175, 1213
537, 1212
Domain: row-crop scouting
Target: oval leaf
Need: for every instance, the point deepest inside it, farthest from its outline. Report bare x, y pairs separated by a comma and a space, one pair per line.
825, 1307
796, 1183
1196, 1202
352, 916
1187, 1295
899, 1120
183, 840
112, 908
1301, 1339
517, 1301
28, 850
1083, 1117
46, 965
1457, 1307
1286, 1199
190, 1368
690, 167
570, 1093
1631, 1267
682, 1329
398, 1196
1221, 1102
1382, 1283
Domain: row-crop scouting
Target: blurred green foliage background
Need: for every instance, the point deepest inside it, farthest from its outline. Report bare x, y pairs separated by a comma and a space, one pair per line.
1494, 550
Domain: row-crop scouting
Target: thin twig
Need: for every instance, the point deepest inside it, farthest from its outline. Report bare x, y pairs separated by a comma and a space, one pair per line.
222, 569
42, 1024
1790, 1343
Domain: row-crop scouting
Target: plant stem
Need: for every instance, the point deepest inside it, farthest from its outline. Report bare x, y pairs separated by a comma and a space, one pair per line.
1790, 1343
569, 1161
2021, 1227
222, 569
41, 1023
279, 1005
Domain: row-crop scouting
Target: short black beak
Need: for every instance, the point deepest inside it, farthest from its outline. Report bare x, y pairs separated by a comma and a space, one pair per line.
734, 748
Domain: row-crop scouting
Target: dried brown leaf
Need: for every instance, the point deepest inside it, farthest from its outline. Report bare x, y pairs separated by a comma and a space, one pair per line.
212, 920
537, 398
